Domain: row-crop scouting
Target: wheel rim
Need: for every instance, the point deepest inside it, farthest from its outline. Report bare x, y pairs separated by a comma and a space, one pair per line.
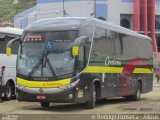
8, 91
94, 96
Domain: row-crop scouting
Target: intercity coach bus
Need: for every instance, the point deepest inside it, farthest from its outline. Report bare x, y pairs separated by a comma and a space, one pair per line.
81, 60
8, 64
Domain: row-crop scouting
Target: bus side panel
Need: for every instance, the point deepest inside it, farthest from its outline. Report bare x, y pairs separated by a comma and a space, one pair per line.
147, 82
10, 67
110, 85
88, 79
107, 83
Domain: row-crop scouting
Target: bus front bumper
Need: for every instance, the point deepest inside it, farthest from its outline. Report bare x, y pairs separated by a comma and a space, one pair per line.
57, 95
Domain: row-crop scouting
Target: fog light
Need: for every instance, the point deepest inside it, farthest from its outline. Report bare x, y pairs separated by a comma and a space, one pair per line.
21, 86
70, 96
86, 87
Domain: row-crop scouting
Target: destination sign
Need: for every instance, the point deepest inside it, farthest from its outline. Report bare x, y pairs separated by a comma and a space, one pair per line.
62, 41
33, 38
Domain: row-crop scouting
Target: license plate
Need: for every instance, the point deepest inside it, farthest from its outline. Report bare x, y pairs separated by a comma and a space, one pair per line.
41, 97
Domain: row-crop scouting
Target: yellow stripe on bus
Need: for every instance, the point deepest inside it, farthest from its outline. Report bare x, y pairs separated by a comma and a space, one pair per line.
106, 69
46, 84
89, 69
142, 70
102, 69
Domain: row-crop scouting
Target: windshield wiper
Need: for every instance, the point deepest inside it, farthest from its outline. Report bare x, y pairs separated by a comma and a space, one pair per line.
36, 66
51, 67
41, 62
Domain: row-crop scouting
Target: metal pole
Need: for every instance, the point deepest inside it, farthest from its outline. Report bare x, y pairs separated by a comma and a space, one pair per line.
63, 9
95, 3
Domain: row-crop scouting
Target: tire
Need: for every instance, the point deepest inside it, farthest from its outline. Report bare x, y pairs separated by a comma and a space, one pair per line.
45, 104
91, 103
137, 95
9, 91
128, 98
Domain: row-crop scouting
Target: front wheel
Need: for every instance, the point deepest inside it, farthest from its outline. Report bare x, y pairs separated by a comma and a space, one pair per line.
91, 103
9, 91
45, 104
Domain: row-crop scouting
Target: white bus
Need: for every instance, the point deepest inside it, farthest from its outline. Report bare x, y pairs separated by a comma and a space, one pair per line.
8, 65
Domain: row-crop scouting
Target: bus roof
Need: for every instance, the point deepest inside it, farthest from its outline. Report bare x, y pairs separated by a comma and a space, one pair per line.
55, 24
74, 23
10, 30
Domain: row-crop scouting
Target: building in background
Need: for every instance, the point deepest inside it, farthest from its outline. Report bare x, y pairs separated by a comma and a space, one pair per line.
142, 16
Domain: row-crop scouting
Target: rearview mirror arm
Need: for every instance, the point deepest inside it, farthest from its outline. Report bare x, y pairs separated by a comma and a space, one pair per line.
12, 41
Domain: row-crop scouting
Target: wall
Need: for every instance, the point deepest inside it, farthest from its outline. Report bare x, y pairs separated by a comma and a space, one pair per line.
82, 8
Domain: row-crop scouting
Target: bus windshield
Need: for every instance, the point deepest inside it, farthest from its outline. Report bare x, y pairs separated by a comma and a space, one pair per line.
46, 54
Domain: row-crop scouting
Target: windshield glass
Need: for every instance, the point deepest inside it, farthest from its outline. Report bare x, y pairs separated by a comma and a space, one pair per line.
47, 54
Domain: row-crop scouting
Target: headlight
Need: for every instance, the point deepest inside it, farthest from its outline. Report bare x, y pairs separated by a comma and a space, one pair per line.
20, 86
70, 85
65, 87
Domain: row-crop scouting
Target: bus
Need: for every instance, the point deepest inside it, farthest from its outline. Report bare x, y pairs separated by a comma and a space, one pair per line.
81, 60
8, 64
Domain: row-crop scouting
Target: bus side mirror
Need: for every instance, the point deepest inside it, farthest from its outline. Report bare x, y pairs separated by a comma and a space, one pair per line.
75, 51
8, 51
9, 44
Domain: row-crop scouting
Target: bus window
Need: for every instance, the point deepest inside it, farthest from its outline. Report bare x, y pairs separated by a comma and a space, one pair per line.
87, 29
81, 58
102, 45
145, 44
130, 46
3, 43
116, 40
